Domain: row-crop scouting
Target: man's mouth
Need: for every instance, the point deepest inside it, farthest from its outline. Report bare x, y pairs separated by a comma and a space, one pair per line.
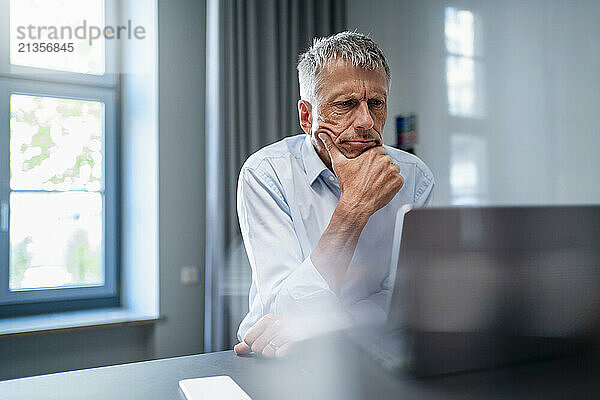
361, 142
360, 145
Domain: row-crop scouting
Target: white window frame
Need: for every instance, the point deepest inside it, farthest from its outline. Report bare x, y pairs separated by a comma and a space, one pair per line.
109, 79
46, 83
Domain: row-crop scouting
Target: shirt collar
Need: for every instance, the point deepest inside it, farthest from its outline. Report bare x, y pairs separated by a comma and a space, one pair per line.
313, 165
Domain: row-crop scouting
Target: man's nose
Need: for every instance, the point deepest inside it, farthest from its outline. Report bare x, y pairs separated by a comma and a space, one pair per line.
364, 120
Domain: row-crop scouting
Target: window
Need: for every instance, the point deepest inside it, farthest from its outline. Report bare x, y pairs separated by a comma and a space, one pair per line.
464, 64
466, 107
58, 156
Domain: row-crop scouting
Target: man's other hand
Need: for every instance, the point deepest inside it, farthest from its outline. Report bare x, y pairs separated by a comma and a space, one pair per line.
270, 337
371, 179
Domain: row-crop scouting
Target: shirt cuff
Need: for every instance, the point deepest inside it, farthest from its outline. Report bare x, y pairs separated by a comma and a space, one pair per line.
367, 312
305, 290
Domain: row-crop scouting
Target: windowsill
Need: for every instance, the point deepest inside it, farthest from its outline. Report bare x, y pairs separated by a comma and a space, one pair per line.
73, 320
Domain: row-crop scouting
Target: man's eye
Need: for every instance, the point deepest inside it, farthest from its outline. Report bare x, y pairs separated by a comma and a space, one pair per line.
375, 102
347, 103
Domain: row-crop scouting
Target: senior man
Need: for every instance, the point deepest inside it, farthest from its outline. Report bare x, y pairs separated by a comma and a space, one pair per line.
317, 210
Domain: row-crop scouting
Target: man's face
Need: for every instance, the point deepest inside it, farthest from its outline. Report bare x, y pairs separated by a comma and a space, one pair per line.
352, 108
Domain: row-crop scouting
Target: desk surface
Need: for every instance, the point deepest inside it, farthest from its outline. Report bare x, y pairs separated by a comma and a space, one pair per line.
356, 378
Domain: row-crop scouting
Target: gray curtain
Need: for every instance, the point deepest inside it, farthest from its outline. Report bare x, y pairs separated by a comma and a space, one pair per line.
252, 92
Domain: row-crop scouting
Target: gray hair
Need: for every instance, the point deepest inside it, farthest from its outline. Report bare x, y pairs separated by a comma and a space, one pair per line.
354, 47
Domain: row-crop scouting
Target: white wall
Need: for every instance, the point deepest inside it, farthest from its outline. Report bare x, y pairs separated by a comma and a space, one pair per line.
536, 136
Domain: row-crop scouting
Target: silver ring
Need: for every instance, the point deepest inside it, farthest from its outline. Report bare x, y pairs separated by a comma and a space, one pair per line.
273, 346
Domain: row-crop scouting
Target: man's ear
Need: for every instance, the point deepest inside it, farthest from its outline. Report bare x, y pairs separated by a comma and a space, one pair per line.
305, 116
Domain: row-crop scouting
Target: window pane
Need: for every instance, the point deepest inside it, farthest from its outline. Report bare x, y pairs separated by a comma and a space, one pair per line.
465, 84
57, 22
55, 240
55, 143
459, 31
460, 76
468, 169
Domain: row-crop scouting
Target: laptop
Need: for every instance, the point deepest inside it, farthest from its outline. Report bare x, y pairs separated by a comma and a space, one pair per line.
481, 287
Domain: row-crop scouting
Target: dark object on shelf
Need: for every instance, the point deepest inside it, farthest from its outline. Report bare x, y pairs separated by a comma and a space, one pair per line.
406, 132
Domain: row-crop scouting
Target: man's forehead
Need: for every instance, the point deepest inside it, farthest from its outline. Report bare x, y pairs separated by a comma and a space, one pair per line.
341, 77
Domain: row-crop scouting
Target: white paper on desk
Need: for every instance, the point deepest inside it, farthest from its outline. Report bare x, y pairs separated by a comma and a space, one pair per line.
212, 388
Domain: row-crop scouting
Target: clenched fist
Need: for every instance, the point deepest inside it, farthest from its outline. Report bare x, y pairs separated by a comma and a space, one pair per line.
371, 179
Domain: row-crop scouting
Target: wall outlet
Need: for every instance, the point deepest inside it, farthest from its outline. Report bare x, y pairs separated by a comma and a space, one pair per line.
190, 275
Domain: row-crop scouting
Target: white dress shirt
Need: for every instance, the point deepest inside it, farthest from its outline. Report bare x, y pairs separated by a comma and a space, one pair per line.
286, 196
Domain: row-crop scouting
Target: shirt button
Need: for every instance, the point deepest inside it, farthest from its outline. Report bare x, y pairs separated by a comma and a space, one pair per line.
331, 178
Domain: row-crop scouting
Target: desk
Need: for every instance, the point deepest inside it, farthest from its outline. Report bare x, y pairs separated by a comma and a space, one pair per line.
575, 378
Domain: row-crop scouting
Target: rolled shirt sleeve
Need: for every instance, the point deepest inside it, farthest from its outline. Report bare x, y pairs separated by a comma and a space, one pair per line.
423, 187
372, 310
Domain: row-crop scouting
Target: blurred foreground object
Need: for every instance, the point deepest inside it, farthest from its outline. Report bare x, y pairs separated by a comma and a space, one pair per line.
479, 287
